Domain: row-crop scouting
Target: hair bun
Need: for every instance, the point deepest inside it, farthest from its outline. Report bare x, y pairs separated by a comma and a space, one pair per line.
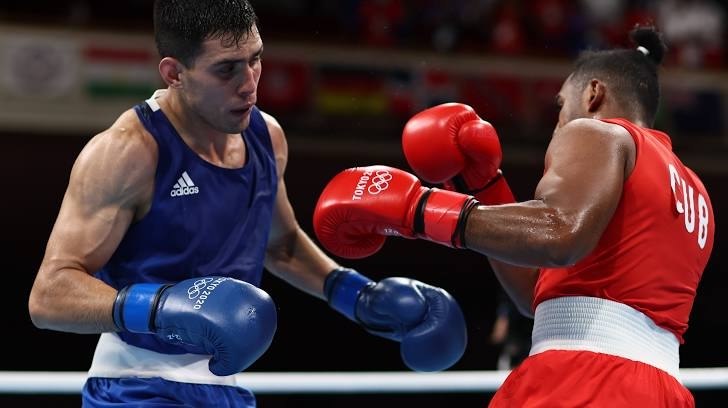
649, 42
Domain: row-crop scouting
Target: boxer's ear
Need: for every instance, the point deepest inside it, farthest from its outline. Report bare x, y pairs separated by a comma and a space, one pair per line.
595, 95
170, 70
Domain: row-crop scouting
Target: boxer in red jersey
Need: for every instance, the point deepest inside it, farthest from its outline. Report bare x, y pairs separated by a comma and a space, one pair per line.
606, 257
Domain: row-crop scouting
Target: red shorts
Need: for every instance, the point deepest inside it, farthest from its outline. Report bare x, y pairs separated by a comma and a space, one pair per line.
571, 379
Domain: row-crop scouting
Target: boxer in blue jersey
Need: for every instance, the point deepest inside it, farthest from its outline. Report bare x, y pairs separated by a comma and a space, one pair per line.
172, 215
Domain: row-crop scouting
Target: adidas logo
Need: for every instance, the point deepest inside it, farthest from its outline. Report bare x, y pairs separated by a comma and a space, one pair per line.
184, 186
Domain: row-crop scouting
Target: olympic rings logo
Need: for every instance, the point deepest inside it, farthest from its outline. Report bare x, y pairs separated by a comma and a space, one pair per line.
380, 182
194, 291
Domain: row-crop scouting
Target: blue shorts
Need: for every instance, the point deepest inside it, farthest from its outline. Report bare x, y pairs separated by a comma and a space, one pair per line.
158, 392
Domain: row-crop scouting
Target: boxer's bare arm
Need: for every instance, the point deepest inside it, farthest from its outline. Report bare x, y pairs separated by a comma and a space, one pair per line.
291, 254
586, 163
110, 185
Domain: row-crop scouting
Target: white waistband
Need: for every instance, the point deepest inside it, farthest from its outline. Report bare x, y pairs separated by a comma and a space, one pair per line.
604, 326
114, 358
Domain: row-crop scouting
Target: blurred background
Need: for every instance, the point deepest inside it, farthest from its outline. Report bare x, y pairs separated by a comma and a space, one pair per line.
343, 77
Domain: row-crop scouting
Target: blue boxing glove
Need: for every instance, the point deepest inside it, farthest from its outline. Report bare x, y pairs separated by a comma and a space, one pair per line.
231, 320
426, 320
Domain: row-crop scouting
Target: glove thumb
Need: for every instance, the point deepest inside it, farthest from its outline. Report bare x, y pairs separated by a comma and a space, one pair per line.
440, 340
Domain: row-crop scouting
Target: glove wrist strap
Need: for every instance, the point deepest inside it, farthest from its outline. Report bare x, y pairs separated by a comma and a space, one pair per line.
342, 289
135, 307
441, 215
458, 235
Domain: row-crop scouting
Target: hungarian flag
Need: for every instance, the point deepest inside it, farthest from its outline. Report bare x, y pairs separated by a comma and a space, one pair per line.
117, 72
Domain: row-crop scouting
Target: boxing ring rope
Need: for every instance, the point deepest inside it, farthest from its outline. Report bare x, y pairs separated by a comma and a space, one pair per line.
372, 382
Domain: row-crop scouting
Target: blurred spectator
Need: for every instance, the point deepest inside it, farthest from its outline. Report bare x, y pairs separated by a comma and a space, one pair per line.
511, 334
551, 24
381, 21
604, 21
695, 31
475, 17
509, 35
439, 24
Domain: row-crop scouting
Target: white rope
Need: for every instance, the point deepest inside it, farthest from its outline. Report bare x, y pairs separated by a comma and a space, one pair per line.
49, 382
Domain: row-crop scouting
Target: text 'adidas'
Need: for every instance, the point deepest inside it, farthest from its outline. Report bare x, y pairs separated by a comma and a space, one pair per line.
184, 186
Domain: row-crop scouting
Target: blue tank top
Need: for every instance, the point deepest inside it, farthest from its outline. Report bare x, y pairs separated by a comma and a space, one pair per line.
203, 220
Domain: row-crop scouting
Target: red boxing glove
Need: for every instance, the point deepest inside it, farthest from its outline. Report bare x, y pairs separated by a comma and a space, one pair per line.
361, 206
450, 144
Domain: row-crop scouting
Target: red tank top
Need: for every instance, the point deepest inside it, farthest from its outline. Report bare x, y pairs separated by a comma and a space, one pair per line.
654, 250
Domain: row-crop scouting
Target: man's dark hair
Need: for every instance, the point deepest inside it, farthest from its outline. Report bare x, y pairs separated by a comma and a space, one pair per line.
180, 26
630, 72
